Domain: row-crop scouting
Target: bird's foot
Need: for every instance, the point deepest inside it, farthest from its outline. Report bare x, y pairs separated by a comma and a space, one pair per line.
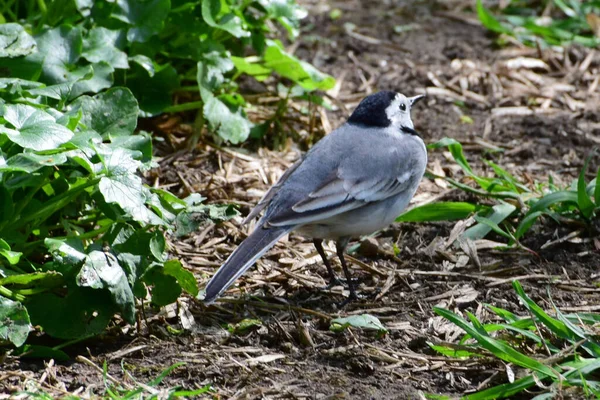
339, 282
333, 282
352, 297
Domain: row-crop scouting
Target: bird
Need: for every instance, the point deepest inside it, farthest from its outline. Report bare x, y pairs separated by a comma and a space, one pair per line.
354, 181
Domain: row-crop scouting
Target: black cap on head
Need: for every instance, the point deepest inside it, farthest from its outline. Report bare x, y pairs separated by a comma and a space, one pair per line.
371, 110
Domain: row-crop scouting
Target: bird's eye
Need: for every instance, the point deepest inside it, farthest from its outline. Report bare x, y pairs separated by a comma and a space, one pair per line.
403, 107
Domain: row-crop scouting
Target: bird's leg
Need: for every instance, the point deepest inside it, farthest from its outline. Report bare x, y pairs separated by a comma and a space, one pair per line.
333, 280
340, 246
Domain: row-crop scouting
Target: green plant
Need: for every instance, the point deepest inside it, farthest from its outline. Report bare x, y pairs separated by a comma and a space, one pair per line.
569, 21
152, 47
564, 352
515, 207
81, 236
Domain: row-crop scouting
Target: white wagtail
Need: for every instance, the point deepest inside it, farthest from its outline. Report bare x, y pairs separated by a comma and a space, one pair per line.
353, 182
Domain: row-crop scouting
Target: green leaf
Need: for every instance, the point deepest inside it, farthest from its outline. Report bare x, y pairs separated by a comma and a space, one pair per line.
362, 321
48, 279
494, 226
597, 189
165, 290
453, 352
456, 150
556, 326
102, 270
13, 257
252, 67
245, 325
504, 390
112, 113
15, 324
497, 347
65, 252
296, 70
59, 49
526, 223
15, 41
216, 14
185, 278
146, 18
101, 44
210, 73
91, 79
190, 220
122, 186
563, 196
31, 162
489, 21
153, 91
286, 12
498, 214
445, 211
230, 126
81, 313
584, 202
33, 128
158, 246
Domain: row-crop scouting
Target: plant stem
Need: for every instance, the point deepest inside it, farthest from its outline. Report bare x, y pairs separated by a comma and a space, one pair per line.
10, 294
56, 203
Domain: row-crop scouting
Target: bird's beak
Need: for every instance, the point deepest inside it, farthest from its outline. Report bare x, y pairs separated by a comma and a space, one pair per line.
415, 99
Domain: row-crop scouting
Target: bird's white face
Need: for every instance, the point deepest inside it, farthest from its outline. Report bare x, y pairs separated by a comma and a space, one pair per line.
398, 111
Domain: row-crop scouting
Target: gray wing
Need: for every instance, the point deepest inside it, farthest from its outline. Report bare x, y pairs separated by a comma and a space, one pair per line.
344, 174
264, 201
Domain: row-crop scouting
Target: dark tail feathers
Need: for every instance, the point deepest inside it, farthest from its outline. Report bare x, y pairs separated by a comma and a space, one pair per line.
255, 245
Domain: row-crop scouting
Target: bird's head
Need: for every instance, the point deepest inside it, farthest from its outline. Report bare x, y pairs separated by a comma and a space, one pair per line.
386, 109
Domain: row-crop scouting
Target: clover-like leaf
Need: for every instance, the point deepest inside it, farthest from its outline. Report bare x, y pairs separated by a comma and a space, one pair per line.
185, 278
15, 41
287, 12
298, 71
123, 186
15, 324
101, 270
13, 257
33, 128
363, 321
31, 162
146, 18
81, 313
210, 72
216, 13
102, 44
231, 126
152, 88
111, 114
59, 48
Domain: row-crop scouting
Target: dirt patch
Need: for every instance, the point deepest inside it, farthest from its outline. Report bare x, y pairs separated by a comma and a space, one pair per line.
404, 46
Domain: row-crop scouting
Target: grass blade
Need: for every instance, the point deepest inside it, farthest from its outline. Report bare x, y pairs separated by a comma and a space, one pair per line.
526, 223
583, 198
497, 347
445, 211
556, 326
563, 196
597, 189
456, 150
503, 391
489, 21
499, 213
494, 226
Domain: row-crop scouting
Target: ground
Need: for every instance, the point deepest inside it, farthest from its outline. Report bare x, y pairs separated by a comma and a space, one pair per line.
475, 94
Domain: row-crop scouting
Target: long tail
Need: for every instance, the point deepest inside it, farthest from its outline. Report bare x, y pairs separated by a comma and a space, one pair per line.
255, 245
